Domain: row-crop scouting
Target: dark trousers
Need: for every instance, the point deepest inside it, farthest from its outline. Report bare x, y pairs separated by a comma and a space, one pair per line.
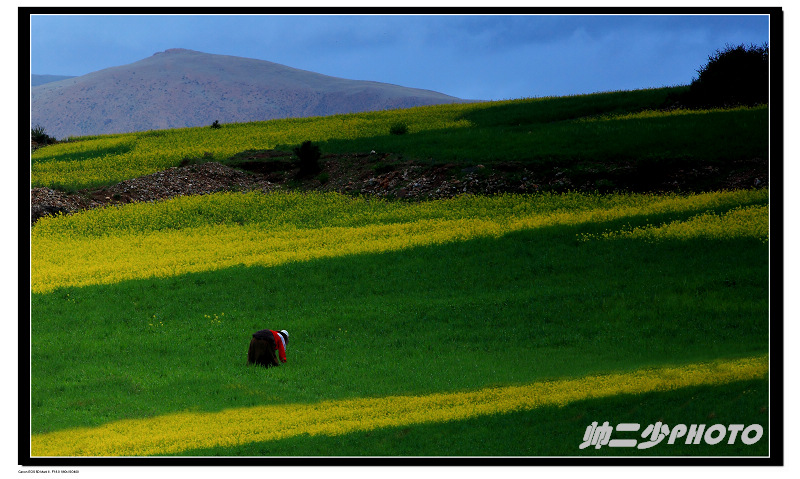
262, 351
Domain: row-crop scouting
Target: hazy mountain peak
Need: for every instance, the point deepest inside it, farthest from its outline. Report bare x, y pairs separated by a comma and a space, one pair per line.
172, 51
180, 88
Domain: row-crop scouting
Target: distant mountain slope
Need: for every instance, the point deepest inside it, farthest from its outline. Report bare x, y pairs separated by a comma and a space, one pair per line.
37, 80
181, 88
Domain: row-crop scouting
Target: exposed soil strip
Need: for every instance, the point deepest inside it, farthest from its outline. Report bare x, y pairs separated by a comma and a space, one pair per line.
385, 176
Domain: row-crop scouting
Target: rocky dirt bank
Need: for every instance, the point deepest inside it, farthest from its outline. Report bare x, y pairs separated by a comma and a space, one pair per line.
382, 175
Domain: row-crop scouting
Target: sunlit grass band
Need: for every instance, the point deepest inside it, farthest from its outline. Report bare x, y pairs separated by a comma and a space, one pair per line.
173, 433
740, 222
191, 235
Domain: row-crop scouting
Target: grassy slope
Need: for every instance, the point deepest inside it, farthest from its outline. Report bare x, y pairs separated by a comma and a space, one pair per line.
417, 321
527, 306
534, 131
547, 132
550, 431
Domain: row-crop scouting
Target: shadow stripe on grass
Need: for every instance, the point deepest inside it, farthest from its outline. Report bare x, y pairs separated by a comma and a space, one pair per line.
171, 434
91, 260
545, 432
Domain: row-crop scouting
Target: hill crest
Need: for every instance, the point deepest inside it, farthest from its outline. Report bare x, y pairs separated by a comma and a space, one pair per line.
180, 88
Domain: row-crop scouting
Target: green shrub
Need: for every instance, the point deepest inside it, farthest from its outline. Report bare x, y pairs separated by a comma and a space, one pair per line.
733, 76
308, 154
398, 129
39, 135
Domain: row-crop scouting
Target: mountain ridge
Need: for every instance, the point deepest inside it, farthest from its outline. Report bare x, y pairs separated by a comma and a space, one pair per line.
180, 88
41, 79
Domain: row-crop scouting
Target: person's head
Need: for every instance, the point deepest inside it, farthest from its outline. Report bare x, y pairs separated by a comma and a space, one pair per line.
285, 335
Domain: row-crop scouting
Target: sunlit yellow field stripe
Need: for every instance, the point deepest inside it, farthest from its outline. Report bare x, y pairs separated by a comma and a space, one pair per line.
105, 260
113, 158
171, 434
741, 222
647, 114
64, 259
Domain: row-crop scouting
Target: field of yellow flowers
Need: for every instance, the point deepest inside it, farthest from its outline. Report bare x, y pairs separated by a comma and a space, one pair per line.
604, 126
477, 325
175, 433
147, 240
112, 158
129, 275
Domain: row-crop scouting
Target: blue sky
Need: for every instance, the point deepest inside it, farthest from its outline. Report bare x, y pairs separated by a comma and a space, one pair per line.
485, 57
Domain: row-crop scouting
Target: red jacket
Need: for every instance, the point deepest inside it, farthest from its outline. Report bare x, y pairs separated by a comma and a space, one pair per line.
279, 343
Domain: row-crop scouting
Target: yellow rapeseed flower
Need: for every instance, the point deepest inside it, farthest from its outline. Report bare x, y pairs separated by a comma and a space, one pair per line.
187, 235
740, 222
173, 433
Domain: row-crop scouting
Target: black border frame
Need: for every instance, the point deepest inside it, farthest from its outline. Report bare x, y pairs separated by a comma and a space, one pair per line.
776, 165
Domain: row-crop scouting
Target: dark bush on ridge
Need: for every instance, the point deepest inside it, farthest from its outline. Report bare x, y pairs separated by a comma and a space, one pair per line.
308, 154
216, 125
39, 136
734, 76
398, 129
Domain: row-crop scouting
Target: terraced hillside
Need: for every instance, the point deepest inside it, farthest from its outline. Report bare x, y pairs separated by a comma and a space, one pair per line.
422, 322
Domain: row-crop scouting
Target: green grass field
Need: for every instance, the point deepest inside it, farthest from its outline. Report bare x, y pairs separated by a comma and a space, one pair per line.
141, 314
549, 431
618, 126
